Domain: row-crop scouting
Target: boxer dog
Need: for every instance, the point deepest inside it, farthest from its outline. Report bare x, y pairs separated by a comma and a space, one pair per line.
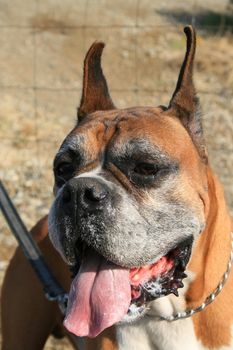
141, 220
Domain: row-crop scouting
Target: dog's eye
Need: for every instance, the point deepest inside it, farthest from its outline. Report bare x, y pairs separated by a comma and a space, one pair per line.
146, 169
64, 169
148, 174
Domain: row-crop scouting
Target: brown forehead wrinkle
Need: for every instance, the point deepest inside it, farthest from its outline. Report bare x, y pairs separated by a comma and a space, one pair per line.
115, 115
96, 134
93, 137
165, 132
101, 125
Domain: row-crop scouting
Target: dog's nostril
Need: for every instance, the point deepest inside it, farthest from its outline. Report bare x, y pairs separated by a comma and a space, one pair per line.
66, 196
93, 195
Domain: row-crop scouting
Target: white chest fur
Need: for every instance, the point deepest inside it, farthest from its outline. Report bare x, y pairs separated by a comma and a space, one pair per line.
149, 333
152, 334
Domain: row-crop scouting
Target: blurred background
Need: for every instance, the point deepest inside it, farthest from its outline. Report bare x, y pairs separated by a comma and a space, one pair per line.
42, 46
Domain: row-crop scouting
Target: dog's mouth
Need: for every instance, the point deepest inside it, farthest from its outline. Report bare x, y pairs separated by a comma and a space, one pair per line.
159, 279
103, 293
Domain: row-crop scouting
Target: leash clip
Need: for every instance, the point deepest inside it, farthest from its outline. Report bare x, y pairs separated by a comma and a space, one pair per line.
61, 299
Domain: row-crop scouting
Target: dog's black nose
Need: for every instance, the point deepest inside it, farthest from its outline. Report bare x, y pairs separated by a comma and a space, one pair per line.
85, 193
95, 194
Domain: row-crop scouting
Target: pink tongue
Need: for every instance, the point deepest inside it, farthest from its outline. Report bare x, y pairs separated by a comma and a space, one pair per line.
100, 296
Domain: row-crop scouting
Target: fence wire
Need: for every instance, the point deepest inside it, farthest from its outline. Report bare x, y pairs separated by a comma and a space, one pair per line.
175, 16
26, 153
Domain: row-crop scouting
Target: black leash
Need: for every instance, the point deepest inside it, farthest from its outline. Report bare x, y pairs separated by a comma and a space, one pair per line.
52, 289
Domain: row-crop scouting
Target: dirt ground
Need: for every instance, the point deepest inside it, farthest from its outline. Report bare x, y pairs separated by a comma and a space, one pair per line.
42, 45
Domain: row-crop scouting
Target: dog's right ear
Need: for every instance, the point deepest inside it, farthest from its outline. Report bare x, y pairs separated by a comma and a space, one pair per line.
95, 95
184, 103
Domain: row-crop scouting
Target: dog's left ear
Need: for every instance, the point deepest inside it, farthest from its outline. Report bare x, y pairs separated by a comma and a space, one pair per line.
95, 95
184, 103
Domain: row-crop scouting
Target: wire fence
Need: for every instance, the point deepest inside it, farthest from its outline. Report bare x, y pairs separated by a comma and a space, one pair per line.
43, 44
141, 30
48, 31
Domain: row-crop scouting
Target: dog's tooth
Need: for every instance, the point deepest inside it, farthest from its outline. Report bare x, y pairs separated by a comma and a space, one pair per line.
180, 284
175, 292
182, 264
183, 275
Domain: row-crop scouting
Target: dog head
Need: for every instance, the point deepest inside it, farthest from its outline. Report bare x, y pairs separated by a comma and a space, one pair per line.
131, 197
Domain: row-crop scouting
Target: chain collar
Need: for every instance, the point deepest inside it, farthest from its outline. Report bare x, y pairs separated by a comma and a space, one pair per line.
211, 297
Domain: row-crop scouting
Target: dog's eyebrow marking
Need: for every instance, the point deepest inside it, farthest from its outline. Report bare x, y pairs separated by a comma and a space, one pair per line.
139, 148
73, 147
72, 143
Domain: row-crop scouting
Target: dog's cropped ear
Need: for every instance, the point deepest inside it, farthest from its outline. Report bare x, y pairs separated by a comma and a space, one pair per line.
95, 95
184, 103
